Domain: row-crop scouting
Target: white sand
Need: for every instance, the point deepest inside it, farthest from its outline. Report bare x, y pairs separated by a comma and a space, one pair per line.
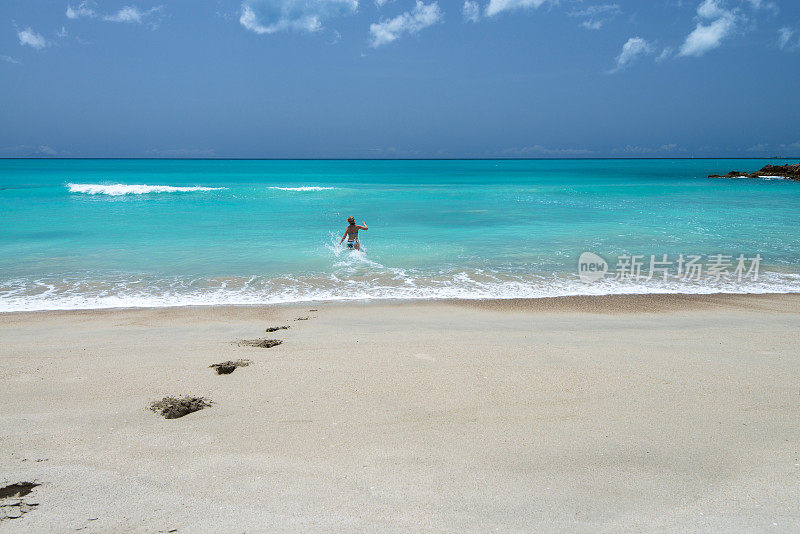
597, 415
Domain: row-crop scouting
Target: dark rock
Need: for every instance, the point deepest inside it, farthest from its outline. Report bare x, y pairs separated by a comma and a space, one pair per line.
791, 172
174, 407
276, 328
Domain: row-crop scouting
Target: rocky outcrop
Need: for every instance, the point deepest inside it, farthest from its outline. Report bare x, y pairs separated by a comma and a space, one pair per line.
791, 172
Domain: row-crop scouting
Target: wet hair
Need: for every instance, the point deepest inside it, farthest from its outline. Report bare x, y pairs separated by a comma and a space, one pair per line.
351, 220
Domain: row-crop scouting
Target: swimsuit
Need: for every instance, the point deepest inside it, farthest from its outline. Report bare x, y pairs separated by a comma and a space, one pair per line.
353, 238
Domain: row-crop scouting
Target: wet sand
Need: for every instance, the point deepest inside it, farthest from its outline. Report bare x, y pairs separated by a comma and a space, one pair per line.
600, 414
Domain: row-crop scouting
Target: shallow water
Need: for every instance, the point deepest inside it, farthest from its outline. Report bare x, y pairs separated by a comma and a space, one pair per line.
106, 233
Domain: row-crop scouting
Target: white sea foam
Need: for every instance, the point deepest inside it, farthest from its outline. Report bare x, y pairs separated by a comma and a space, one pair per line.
303, 188
133, 189
368, 284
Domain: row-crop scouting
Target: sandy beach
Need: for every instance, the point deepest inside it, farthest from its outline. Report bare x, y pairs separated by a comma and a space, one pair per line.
595, 414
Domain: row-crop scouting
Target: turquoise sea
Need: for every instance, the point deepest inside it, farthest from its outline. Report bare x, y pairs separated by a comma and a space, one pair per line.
120, 233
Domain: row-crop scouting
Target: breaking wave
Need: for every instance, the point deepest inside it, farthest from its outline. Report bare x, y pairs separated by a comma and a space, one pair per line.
303, 188
133, 189
355, 278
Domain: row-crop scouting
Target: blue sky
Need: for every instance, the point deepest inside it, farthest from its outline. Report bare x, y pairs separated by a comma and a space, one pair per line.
400, 78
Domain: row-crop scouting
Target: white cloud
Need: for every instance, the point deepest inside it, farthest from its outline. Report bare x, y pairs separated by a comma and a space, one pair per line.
665, 54
784, 36
787, 39
9, 59
762, 4
84, 9
471, 11
127, 14
546, 151
270, 16
710, 9
596, 16
595, 10
671, 147
131, 14
422, 16
182, 152
28, 150
632, 49
381, 3
708, 36
62, 33
760, 147
31, 38
791, 146
498, 6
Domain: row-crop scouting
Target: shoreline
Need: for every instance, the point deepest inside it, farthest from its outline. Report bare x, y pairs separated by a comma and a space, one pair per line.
620, 303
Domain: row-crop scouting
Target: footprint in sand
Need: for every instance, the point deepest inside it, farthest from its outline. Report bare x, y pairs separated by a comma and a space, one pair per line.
226, 368
14, 500
175, 407
260, 343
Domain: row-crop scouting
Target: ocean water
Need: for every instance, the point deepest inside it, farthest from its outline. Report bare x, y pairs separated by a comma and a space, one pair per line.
125, 233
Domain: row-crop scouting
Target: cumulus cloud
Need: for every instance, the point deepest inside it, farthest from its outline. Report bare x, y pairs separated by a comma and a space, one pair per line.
631, 50
596, 16
498, 6
31, 38
9, 59
716, 23
471, 11
422, 16
270, 16
711, 9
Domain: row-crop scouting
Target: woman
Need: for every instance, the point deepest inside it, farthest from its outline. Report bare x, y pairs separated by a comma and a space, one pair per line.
351, 233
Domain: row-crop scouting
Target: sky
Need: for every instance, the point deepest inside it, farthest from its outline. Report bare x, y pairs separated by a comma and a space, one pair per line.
399, 78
